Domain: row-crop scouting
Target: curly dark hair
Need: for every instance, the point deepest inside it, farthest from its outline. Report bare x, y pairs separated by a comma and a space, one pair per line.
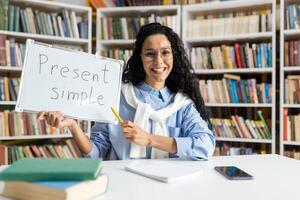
181, 77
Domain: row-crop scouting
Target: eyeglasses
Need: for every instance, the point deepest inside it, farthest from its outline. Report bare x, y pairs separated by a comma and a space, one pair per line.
150, 55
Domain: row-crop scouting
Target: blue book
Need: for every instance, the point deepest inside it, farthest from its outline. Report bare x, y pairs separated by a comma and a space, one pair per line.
244, 97
258, 56
65, 28
234, 91
291, 16
58, 190
231, 91
265, 53
2, 95
12, 52
267, 93
298, 13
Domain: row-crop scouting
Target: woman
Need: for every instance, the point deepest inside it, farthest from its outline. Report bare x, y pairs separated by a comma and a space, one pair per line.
161, 102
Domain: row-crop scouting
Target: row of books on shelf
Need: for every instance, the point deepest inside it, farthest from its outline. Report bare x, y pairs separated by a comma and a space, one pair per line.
64, 23
292, 89
128, 27
12, 53
65, 149
292, 53
235, 91
292, 154
239, 127
9, 88
230, 149
291, 126
232, 57
292, 13
22, 124
121, 54
230, 23
122, 3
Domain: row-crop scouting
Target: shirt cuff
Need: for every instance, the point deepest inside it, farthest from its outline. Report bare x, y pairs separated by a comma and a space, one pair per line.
185, 149
94, 153
184, 146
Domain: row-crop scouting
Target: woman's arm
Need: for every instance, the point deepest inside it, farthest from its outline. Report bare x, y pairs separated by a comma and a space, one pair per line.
57, 119
195, 140
137, 135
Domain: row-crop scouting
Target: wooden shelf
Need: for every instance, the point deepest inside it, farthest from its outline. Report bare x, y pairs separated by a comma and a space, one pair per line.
6, 103
291, 105
291, 69
228, 38
235, 71
29, 137
256, 105
116, 42
217, 7
267, 141
10, 69
291, 33
46, 38
292, 143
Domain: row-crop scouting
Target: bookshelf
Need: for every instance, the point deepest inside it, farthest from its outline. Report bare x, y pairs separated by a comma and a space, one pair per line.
127, 21
289, 72
229, 25
75, 35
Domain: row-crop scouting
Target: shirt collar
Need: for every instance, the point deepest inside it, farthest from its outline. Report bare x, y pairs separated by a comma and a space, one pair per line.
164, 93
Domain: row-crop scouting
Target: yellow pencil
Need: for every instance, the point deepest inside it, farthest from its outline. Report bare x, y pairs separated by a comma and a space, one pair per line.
117, 115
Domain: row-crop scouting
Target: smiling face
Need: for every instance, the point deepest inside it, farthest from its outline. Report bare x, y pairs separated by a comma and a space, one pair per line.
157, 58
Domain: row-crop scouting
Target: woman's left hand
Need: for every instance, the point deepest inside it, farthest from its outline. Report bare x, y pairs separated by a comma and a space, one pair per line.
136, 134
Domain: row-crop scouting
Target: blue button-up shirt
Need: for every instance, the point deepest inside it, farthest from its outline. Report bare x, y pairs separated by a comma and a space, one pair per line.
193, 137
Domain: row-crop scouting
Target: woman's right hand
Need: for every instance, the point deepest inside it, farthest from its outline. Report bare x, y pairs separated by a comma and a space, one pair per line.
56, 119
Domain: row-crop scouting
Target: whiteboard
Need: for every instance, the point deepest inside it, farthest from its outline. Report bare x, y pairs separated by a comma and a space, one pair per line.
80, 85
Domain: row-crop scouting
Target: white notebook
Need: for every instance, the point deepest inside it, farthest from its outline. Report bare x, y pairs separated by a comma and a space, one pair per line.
165, 171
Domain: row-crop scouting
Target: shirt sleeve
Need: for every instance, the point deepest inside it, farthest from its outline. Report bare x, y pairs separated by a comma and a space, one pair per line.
196, 141
100, 139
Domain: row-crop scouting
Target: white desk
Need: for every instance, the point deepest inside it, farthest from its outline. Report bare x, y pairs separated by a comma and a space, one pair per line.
275, 177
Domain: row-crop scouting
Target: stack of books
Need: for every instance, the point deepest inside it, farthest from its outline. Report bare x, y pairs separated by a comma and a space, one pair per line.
54, 178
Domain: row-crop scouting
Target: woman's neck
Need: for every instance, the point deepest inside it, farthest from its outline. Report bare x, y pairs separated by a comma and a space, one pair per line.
156, 85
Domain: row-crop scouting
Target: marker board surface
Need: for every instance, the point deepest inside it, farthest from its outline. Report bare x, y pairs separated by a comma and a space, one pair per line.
78, 84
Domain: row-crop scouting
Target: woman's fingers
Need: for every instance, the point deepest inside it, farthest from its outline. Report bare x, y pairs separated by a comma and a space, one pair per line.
128, 124
53, 118
42, 115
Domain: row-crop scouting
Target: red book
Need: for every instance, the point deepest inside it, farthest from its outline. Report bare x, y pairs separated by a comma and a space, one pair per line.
3, 155
35, 151
45, 150
2, 50
243, 57
237, 55
291, 45
11, 124
285, 124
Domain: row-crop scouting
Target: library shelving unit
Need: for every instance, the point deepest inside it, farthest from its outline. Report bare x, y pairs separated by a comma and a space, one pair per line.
134, 16
289, 50
84, 43
194, 36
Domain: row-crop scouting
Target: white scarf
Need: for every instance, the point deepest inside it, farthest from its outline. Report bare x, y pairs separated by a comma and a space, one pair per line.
144, 112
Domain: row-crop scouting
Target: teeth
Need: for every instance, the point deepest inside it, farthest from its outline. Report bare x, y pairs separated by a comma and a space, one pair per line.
159, 70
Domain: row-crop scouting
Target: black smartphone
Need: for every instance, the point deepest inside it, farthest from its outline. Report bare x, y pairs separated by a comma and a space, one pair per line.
233, 173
